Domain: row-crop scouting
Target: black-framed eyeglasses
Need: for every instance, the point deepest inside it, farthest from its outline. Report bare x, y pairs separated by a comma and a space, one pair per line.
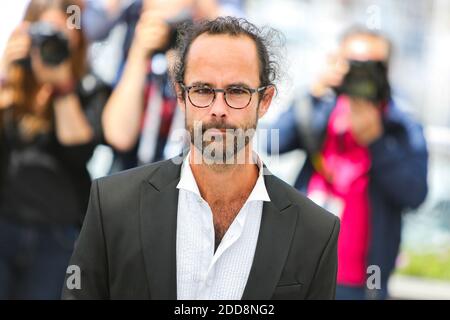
236, 97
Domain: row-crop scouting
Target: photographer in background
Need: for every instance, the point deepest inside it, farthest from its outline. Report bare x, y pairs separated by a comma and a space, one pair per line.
141, 113
366, 159
50, 110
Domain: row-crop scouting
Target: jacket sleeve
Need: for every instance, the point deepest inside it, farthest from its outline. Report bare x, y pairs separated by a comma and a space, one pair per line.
303, 125
323, 285
288, 134
399, 165
89, 256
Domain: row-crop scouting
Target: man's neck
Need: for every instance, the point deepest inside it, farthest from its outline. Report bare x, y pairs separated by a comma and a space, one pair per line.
225, 182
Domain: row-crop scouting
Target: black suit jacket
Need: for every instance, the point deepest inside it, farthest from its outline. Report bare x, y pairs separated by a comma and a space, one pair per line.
127, 246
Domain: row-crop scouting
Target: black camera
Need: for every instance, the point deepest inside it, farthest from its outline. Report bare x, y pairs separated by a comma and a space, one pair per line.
52, 44
366, 80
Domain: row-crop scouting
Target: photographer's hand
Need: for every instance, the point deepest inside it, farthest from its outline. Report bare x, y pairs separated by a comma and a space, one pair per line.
17, 47
71, 124
366, 121
53, 75
332, 76
151, 34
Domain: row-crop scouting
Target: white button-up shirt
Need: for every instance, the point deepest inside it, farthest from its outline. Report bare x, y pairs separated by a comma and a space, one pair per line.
201, 272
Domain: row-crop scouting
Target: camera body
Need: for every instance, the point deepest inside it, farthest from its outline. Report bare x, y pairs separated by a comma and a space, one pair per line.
52, 44
366, 80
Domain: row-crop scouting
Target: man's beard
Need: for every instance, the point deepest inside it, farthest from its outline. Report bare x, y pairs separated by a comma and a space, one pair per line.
219, 149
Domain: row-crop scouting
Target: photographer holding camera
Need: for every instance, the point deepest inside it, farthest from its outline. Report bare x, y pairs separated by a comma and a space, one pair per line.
141, 113
366, 159
50, 110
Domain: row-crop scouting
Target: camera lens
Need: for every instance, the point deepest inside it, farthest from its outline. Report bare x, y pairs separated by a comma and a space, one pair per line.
54, 51
53, 45
366, 80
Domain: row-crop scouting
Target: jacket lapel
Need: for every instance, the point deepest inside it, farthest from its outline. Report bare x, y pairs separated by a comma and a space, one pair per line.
158, 214
278, 223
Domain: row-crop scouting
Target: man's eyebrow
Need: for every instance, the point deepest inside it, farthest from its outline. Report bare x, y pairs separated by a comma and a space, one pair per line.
238, 84
234, 84
200, 83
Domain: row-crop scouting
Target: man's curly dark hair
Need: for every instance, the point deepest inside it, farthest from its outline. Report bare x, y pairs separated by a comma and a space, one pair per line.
266, 39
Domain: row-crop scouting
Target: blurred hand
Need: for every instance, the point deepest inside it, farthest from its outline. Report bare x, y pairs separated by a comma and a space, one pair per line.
365, 121
151, 34
6, 97
17, 47
113, 7
42, 99
332, 76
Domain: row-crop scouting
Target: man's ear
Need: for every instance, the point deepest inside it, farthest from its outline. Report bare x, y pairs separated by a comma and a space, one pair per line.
180, 97
266, 100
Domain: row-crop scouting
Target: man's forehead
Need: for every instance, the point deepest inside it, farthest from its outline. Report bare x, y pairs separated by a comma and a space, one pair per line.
222, 54
207, 39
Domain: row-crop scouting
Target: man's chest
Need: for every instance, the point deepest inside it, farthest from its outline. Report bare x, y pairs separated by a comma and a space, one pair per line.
224, 213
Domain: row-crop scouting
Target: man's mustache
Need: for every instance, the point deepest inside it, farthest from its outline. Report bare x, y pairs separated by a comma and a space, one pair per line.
220, 125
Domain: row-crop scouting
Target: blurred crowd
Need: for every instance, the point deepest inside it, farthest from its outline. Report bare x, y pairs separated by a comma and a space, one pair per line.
366, 158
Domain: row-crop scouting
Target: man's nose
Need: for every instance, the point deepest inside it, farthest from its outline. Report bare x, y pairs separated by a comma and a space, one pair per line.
219, 107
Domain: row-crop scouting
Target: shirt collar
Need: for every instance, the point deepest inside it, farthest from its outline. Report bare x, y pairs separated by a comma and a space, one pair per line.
187, 181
